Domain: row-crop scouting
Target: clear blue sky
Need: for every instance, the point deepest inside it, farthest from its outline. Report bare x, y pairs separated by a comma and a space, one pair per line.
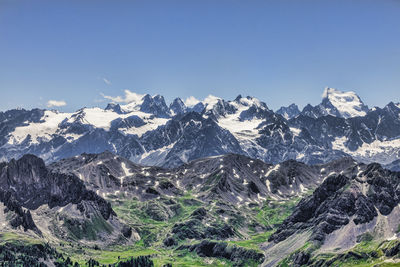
279, 51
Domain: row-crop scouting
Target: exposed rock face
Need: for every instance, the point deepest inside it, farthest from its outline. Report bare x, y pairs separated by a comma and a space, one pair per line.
21, 217
27, 185
107, 173
356, 196
230, 178
114, 107
387, 251
289, 112
155, 105
30, 183
301, 258
127, 231
178, 107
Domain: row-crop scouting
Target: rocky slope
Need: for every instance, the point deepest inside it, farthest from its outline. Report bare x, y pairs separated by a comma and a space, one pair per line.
289, 112
54, 205
149, 132
232, 178
359, 205
230, 198
227, 210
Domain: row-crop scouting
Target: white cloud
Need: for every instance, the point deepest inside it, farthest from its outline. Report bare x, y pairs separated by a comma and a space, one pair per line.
211, 100
191, 101
106, 81
128, 98
56, 103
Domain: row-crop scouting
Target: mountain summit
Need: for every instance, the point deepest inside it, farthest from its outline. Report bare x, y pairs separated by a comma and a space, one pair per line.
289, 112
339, 104
345, 104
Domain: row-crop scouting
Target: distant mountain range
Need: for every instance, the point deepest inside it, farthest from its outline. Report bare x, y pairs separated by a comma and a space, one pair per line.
149, 132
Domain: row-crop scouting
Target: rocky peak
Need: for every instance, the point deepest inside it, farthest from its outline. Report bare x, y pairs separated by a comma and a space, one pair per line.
177, 106
199, 107
392, 108
338, 104
31, 184
357, 193
27, 169
114, 107
155, 105
289, 112
237, 99
216, 107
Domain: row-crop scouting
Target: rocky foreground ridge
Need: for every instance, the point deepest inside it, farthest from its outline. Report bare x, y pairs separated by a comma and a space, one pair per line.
228, 209
52, 204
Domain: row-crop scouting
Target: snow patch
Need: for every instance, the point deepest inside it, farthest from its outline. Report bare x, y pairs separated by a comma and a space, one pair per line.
302, 188
384, 152
268, 183
126, 171
276, 168
295, 131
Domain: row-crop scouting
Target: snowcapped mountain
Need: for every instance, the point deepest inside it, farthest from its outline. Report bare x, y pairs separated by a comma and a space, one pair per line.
178, 107
347, 104
289, 112
338, 104
150, 132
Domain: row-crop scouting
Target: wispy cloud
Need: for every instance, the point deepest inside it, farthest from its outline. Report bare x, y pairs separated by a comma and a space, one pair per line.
56, 103
191, 101
98, 100
106, 81
127, 98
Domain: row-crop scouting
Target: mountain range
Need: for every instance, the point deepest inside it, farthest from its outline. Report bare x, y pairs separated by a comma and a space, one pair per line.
227, 210
201, 183
149, 132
